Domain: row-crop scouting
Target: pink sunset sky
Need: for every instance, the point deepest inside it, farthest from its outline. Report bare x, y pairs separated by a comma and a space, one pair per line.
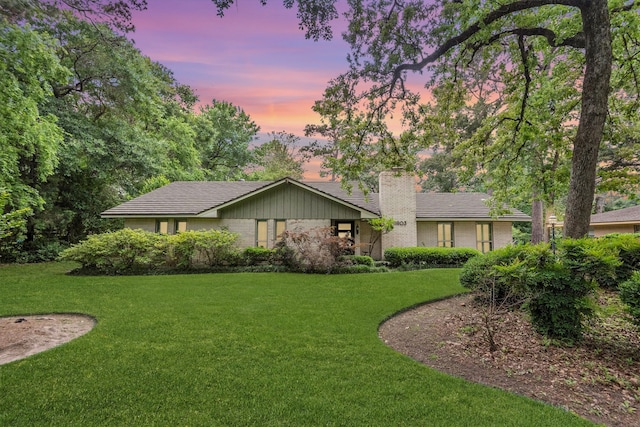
255, 57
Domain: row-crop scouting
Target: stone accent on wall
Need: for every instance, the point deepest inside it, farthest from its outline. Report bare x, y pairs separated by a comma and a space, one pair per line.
398, 201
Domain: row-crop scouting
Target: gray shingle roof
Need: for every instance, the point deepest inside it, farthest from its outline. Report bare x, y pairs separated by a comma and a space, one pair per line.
631, 214
458, 206
186, 198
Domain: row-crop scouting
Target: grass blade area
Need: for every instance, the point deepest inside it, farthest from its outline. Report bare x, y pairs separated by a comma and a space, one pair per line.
240, 349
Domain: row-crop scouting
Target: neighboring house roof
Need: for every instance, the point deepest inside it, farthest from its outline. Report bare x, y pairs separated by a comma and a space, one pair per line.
435, 206
626, 215
197, 198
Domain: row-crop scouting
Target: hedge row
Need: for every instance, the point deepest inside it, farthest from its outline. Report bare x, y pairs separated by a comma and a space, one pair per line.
130, 251
424, 257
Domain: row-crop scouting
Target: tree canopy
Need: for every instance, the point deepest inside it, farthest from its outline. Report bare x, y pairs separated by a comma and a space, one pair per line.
532, 53
87, 122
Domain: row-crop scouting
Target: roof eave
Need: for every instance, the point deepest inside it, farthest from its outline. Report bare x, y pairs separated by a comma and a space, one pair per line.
625, 222
148, 215
471, 219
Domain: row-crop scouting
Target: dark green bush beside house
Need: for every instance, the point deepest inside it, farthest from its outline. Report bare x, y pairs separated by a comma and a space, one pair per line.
626, 247
427, 257
487, 274
119, 251
256, 255
557, 288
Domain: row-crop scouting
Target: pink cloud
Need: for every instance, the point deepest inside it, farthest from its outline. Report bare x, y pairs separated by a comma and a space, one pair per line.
255, 57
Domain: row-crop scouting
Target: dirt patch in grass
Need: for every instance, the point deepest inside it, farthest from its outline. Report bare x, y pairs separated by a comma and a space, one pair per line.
22, 336
599, 379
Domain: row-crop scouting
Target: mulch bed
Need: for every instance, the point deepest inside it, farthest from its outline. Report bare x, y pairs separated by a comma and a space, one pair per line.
599, 378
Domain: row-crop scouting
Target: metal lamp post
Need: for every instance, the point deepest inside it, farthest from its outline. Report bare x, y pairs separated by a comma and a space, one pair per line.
553, 220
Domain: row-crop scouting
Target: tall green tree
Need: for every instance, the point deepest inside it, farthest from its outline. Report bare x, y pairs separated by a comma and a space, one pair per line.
115, 13
29, 137
390, 40
222, 136
113, 110
279, 157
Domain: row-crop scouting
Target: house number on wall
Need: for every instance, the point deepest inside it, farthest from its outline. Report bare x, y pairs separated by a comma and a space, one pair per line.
400, 223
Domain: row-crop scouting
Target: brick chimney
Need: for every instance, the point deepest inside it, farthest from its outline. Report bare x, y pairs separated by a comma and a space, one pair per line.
398, 201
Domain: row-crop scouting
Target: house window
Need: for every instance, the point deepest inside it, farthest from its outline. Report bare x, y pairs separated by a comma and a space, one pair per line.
180, 226
281, 225
484, 237
162, 226
445, 234
261, 233
636, 228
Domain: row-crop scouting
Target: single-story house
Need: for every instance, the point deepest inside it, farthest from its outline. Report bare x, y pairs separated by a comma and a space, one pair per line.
625, 220
259, 211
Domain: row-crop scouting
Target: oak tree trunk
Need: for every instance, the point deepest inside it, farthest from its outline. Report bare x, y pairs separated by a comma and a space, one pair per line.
595, 92
537, 220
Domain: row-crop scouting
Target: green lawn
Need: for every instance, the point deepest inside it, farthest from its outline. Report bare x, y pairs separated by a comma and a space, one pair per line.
239, 349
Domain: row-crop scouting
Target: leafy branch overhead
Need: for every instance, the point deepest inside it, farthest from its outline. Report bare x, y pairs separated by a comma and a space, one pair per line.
469, 51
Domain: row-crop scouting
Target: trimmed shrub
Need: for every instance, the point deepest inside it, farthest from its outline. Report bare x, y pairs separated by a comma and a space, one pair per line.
217, 247
357, 260
126, 251
630, 295
182, 247
424, 257
258, 256
119, 251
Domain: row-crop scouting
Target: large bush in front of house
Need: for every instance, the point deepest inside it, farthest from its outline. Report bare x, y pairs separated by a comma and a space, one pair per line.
119, 251
206, 248
557, 289
562, 292
217, 248
424, 257
316, 250
256, 255
126, 251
